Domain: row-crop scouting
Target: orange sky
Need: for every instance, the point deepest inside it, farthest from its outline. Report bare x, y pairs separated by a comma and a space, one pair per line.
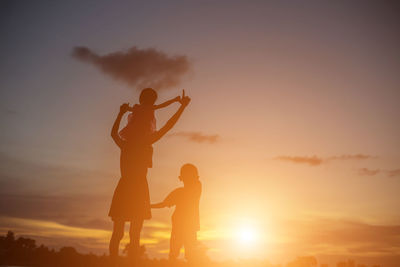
303, 99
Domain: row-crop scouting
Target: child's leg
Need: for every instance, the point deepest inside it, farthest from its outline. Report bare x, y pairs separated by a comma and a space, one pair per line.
134, 234
190, 243
117, 235
175, 243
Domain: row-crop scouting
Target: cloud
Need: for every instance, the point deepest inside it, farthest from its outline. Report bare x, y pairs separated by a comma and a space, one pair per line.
54, 192
8, 111
315, 160
74, 210
320, 235
392, 173
85, 238
198, 137
139, 68
351, 157
55, 234
18, 176
369, 172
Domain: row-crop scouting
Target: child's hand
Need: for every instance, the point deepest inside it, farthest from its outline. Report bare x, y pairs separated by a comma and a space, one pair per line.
132, 109
182, 97
124, 108
185, 101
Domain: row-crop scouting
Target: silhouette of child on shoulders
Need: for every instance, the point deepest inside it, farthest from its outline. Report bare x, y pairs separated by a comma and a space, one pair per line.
142, 115
185, 219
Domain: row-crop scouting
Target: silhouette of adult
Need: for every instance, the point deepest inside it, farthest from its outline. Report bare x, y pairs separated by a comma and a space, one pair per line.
131, 199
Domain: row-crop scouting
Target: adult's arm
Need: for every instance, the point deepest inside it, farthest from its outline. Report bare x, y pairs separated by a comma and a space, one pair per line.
114, 131
171, 122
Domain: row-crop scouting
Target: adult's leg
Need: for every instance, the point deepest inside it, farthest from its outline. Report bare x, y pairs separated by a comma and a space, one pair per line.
117, 235
134, 234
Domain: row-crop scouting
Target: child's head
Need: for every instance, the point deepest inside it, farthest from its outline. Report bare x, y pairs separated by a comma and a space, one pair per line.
148, 96
189, 173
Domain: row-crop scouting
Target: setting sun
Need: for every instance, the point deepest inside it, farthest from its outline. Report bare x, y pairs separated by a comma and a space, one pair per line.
247, 235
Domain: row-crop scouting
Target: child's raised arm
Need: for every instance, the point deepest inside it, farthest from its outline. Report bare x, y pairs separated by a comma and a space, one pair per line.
167, 103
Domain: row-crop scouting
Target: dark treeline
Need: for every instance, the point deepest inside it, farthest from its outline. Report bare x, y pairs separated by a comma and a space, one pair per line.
23, 251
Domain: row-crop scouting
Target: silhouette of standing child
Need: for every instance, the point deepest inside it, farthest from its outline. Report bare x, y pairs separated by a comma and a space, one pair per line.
185, 219
131, 199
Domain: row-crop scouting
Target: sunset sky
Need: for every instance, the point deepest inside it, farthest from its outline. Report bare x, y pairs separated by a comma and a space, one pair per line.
297, 103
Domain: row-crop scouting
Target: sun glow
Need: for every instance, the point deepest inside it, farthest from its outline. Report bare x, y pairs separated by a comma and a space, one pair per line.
247, 234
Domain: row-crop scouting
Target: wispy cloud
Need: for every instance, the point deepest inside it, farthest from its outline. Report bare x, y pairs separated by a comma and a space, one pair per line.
57, 234
326, 235
8, 111
139, 68
351, 157
369, 172
197, 137
392, 173
316, 160
18, 176
313, 160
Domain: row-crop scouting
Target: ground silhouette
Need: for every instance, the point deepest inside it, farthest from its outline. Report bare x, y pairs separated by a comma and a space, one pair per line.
24, 251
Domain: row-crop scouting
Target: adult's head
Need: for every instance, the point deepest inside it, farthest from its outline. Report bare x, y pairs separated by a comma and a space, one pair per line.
148, 96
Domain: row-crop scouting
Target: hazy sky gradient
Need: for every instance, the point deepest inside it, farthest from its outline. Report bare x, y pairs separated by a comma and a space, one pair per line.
271, 79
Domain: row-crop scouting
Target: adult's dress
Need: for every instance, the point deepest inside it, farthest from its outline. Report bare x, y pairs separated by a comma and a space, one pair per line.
131, 199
